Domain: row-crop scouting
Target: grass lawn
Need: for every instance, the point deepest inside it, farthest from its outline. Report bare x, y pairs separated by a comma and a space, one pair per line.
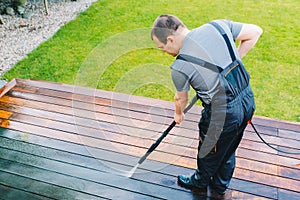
109, 47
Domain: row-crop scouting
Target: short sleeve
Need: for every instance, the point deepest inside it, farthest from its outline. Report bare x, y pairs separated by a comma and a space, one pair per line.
235, 28
180, 81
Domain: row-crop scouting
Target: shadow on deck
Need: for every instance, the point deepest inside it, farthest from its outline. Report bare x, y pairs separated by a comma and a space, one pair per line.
65, 142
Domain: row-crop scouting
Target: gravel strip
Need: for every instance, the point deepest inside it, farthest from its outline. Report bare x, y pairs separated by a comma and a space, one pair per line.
19, 36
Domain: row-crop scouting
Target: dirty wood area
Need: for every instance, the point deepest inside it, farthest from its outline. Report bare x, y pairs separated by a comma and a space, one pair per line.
66, 142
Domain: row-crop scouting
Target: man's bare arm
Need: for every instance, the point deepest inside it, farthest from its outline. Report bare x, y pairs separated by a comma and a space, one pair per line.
181, 101
248, 36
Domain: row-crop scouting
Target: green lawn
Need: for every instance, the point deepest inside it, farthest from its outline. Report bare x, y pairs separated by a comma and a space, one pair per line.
109, 47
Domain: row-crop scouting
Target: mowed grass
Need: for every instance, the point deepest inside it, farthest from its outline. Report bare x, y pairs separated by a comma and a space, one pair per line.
109, 47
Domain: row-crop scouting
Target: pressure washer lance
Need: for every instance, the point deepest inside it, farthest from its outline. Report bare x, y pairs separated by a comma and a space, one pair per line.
164, 134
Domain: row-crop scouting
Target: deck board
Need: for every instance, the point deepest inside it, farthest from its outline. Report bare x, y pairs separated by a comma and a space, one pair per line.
63, 137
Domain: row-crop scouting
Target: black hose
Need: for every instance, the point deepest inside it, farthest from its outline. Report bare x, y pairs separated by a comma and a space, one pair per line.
297, 153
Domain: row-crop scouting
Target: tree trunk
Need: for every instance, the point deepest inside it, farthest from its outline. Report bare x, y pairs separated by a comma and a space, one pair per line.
46, 7
1, 20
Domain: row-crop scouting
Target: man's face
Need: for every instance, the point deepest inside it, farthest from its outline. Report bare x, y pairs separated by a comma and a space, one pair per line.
170, 48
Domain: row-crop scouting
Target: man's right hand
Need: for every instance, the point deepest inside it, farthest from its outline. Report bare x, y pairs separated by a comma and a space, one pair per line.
178, 118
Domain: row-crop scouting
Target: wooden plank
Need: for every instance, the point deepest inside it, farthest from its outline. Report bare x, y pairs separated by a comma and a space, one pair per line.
183, 132
281, 142
115, 103
70, 182
192, 154
7, 87
285, 142
273, 131
12, 193
254, 188
109, 103
153, 177
95, 116
271, 180
136, 99
267, 168
246, 165
135, 137
136, 132
168, 158
87, 174
53, 191
114, 114
99, 93
286, 194
269, 159
248, 177
117, 147
170, 138
130, 137
251, 141
187, 151
289, 134
253, 156
280, 124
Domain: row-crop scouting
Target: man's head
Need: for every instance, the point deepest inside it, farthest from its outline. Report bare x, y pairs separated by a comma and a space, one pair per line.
168, 33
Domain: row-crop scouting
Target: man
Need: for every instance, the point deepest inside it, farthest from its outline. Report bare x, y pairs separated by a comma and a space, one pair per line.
210, 63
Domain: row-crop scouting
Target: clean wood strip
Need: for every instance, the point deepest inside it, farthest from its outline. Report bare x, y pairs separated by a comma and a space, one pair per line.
118, 147
82, 123
152, 177
82, 174
106, 136
119, 137
169, 139
11, 193
68, 182
159, 156
190, 154
190, 145
118, 127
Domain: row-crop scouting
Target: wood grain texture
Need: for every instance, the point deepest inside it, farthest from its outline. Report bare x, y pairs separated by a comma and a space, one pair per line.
83, 142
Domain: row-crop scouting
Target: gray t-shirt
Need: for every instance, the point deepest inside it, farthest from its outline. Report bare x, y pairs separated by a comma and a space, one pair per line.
207, 43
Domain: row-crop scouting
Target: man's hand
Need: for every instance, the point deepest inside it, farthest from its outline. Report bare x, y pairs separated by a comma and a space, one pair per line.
181, 100
178, 118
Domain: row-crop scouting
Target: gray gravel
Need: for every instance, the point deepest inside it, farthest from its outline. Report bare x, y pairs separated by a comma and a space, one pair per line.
19, 36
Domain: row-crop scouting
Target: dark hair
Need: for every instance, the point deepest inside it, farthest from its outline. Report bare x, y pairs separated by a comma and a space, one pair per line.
164, 26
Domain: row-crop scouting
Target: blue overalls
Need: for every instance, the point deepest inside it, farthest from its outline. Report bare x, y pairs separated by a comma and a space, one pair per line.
223, 121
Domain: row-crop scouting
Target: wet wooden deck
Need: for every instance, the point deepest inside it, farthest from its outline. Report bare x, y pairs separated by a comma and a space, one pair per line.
65, 142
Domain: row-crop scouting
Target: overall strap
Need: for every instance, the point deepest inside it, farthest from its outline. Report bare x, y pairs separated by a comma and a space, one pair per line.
200, 62
223, 33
